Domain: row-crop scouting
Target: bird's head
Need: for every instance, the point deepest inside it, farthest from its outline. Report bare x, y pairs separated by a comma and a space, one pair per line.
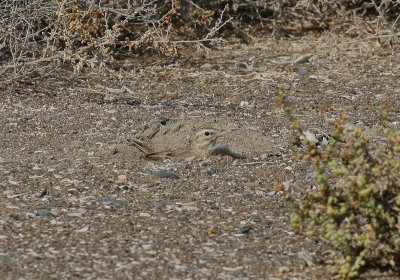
205, 139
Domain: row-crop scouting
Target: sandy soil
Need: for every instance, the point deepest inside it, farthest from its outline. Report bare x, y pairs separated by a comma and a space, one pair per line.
77, 200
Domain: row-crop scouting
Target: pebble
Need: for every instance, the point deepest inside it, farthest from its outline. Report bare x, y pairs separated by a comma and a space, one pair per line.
229, 177
247, 195
271, 193
8, 192
283, 269
303, 70
72, 191
243, 104
114, 151
166, 174
44, 192
77, 213
202, 258
158, 205
109, 200
161, 120
133, 101
211, 171
123, 187
182, 218
302, 60
44, 213
268, 222
207, 67
74, 214
151, 253
82, 230
122, 178
19, 217
57, 201
254, 184
244, 229
30, 215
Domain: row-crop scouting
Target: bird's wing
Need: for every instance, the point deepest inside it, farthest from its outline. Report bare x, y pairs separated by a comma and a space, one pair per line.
142, 147
169, 154
149, 153
159, 156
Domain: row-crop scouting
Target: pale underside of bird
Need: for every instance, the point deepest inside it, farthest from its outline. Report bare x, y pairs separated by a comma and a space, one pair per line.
204, 145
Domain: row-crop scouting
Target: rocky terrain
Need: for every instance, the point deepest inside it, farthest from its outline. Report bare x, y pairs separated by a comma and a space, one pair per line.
79, 201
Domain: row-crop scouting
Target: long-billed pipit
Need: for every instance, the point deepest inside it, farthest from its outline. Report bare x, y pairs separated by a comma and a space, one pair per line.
204, 145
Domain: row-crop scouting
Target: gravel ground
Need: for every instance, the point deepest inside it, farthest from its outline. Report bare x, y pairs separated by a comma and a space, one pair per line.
77, 200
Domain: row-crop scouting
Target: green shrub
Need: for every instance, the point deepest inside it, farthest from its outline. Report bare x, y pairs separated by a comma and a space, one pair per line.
357, 205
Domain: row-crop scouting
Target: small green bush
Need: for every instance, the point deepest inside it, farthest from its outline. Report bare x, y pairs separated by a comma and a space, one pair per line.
357, 205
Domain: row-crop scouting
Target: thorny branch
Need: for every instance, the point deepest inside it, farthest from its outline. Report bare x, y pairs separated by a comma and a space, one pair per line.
384, 21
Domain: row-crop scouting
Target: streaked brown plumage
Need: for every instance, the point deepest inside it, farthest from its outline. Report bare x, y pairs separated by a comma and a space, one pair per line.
204, 145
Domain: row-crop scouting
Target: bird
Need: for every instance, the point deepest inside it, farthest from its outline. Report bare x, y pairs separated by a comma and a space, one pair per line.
204, 145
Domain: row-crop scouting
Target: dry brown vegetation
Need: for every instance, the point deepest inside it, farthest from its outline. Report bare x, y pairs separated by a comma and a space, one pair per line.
39, 35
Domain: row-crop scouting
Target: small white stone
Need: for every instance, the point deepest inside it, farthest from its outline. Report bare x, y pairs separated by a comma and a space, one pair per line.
244, 104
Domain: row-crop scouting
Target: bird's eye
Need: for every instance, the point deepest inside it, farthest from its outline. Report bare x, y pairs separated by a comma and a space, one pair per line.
206, 133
